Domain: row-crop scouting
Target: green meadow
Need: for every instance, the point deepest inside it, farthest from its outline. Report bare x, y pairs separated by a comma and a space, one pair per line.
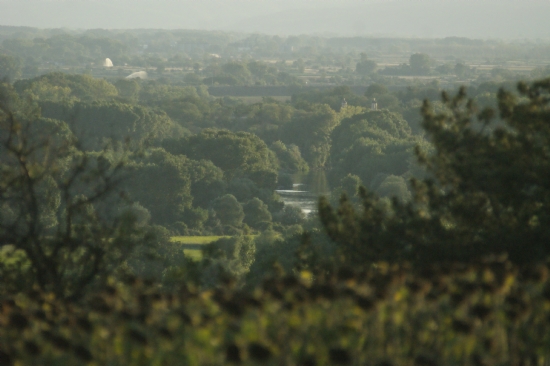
192, 242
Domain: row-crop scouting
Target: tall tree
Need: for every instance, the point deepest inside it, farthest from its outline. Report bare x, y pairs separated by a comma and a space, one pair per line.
488, 193
10, 67
60, 205
420, 63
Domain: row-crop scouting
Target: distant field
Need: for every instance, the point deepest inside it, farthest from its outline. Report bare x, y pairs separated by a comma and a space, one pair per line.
252, 100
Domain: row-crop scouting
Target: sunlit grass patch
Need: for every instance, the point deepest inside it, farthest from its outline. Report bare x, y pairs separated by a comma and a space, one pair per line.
195, 239
195, 254
192, 244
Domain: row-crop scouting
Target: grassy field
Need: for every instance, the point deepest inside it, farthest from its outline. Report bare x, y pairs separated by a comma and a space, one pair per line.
195, 239
192, 241
191, 244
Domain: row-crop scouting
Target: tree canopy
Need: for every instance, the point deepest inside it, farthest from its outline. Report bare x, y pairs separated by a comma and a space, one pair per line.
237, 154
487, 191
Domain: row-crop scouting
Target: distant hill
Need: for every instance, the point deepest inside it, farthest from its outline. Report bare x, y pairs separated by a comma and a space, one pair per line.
414, 18
481, 19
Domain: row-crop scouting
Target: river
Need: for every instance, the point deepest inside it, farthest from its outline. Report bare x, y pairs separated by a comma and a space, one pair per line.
306, 190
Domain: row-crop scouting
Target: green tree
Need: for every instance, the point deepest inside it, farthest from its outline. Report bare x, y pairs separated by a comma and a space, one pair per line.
10, 67
238, 154
227, 259
487, 190
167, 186
128, 89
371, 143
98, 122
420, 63
80, 87
375, 90
290, 158
366, 67
256, 214
310, 131
59, 203
228, 210
394, 186
290, 215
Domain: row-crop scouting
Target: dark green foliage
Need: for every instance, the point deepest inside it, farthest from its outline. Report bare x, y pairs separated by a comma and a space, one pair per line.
488, 195
290, 158
273, 252
371, 143
59, 86
263, 119
167, 184
290, 215
157, 93
375, 90
227, 259
98, 122
10, 67
310, 131
237, 154
128, 89
150, 259
62, 218
228, 210
256, 213
349, 185
333, 97
285, 181
394, 186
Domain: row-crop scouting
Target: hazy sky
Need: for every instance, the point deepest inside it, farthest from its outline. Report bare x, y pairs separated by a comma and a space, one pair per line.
420, 18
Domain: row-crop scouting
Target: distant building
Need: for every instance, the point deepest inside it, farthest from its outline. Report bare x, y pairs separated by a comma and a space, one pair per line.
344, 103
107, 63
374, 105
138, 74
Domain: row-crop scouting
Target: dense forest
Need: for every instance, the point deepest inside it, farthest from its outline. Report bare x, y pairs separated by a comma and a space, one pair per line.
148, 210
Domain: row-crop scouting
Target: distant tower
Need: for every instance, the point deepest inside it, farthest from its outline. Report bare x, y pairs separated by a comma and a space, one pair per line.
374, 105
344, 103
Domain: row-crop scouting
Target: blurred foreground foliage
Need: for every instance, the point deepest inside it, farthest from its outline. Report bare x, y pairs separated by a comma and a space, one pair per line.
489, 312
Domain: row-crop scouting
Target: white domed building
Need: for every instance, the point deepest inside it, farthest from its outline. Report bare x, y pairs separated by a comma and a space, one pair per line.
107, 63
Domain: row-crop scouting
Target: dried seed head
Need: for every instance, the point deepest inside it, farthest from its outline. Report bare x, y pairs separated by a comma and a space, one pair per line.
259, 352
339, 356
233, 353
31, 348
18, 321
83, 353
461, 326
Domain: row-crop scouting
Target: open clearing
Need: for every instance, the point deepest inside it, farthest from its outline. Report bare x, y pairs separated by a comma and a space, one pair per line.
191, 244
195, 239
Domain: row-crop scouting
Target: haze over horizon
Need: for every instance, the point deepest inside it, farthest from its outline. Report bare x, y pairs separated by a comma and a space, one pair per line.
505, 19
